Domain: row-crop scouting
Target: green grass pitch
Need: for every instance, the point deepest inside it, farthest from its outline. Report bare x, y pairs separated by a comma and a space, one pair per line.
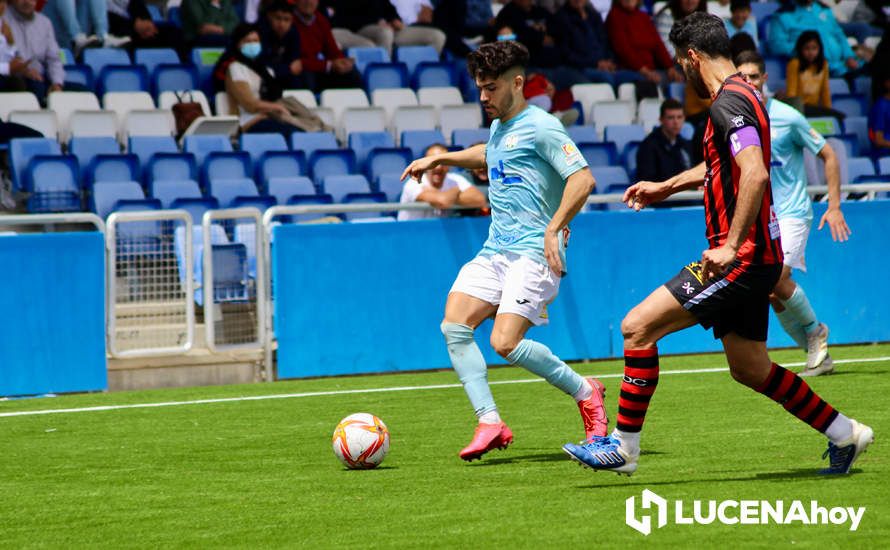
261, 473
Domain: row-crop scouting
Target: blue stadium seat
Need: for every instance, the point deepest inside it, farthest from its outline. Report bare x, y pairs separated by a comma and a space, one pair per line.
851, 144
385, 75
86, 148
309, 142
583, 134
123, 78
174, 17
284, 188
218, 237
280, 165
98, 58
201, 146
328, 162
150, 58
168, 191
862, 86
174, 78
226, 191
138, 238
858, 126
107, 194
419, 140
196, 207
599, 154
113, 168
411, 56
390, 184
52, 181
849, 104
338, 186
629, 158
860, 169
21, 150
226, 165
365, 55
79, 74
387, 161
687, 131
231, 280
245, 233
610, 179
257, 144
677, 90
433, 74
204, 59
884, 166
622, 134
363, 142
155, 11
297, 200
171, 167
363, 198
67, 56
465, 137
775, 70
838, 86
146, 146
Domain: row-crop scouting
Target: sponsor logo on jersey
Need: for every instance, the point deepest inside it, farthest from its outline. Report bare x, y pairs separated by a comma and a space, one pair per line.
511, 141
571, 152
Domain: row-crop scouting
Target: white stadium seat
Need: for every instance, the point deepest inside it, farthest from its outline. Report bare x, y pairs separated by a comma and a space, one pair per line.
306, 97
606, 113
65, 103
17, 101
413, 118
93, 124
43, 121
458, 117
392, 98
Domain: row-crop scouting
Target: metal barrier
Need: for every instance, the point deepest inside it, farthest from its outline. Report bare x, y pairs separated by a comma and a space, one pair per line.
150, 283
232, 290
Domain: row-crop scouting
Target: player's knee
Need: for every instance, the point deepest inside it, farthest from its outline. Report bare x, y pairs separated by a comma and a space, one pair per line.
634, 328
504, 344
746, 376
455, 332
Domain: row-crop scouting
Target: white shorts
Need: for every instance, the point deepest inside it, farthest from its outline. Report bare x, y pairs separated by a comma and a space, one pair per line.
795, 233
514, 283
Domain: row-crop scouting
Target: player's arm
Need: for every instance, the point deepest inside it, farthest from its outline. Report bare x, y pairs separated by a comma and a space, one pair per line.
473, 197
840, 231
439, 199
753, 181
644, 193
471, 158
579, 185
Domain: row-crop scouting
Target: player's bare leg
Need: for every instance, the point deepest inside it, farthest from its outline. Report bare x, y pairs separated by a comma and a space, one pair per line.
797, 317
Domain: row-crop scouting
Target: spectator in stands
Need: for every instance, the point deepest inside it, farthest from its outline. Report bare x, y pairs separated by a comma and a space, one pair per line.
13, 69
207, 23
636, 43
530, 24
35, 41
440, 189
665, 153
324, 64
71, 21
807, 76
581, 37
417, 15
368, 23
741, 20
131, 18
470, 19
674, 11
741, 42
797, 16
281, 45
879, 120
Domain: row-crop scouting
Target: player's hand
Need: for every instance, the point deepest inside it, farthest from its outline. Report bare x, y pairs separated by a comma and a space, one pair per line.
715, 261
551, 251
416, 169
643, 193
840, 231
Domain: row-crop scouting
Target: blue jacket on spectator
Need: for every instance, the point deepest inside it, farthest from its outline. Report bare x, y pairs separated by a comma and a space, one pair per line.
786, 26
582, 43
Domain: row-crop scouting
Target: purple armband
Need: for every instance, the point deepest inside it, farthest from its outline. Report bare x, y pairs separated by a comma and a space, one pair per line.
744, 137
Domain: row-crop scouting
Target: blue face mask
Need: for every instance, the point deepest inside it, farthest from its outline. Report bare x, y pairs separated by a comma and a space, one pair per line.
506, 37
251, 49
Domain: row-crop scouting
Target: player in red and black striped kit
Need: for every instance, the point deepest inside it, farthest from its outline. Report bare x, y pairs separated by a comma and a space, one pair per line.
728, 289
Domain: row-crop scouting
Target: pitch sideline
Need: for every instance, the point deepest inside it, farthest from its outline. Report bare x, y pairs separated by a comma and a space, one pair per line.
366, 390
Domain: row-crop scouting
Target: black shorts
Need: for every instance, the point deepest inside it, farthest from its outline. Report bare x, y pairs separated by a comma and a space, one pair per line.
736, 302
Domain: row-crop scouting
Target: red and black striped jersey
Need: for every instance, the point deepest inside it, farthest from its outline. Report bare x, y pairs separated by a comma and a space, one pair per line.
738, 118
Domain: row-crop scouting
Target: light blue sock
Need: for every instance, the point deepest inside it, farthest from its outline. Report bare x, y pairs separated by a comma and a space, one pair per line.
538, 358
800, 307
792, 327
468, 363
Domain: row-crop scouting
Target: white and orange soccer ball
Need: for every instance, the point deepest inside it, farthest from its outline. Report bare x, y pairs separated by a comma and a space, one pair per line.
361, 441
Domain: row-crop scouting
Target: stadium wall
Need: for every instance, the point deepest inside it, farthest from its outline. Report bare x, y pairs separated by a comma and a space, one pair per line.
358, 298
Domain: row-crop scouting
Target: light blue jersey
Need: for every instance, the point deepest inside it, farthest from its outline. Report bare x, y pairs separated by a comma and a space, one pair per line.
529, 159
789, 134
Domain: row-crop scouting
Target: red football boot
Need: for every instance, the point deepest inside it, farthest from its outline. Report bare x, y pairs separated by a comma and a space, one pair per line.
487, 438
593, 412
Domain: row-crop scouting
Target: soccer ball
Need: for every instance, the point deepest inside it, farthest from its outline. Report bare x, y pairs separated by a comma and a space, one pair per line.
361, 441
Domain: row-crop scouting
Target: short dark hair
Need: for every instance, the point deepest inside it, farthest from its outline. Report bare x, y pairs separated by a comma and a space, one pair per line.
740, 42
669, 104
276, 6
751, 56
739, 5
493, 59
702, 32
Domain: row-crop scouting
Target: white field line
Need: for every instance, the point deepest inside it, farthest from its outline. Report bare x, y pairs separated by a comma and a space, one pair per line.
369, 390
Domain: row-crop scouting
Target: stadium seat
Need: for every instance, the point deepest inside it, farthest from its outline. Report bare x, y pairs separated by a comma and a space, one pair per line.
260, 202
884, 166
122, 78
79, 74
860, 169
151, 58
17, 101
390, 184
412, 56
341, 99
43, 121
146, 146
438, 96
204, 59
52, 181
391, 99
221, 104
283, 188
599, 153
454, 117
112, 168
612, 113
838, 86
174, 78
309, 142
419, 140
387, 161
257, 144
623, 134
201, 146
306, 97
327, 115
849, 142
227, 190
93, 124
339, 185
687, 131
226, 165
106, 195
588, 94
582, 134
299, 200
67, 56
22, 150
87, 148
649, 113
468, 87
170, 167
379, 76
858, 126
366, 55
413, 118
862, 86
627, 91
849, 104
610, 179
327, 162
166, 100
629, 158
65, 103
245, 233
364, 198
279, 165
124, 102
363, 142
677, 90
196, 207
98, 58
433, 74
153, 122
465, 137
168, 191
361, 119
775, 69
825, 125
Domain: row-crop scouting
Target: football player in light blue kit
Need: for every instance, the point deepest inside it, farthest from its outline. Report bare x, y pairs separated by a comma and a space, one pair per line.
538, 182
791, 133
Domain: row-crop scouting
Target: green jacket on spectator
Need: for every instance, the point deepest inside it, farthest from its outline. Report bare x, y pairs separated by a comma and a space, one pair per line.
196, 13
